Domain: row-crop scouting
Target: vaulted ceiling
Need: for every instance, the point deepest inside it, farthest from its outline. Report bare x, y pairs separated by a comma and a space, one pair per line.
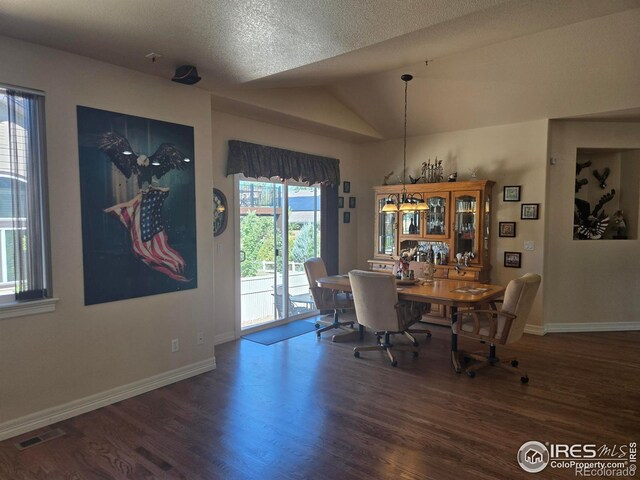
334, 66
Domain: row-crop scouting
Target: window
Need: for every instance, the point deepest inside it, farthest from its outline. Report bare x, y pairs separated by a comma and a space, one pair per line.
24, 232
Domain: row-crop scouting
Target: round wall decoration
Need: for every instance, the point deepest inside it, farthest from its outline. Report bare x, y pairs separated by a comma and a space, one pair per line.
220, 212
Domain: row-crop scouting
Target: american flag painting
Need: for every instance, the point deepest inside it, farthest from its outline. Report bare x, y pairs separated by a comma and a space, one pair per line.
138, 204
142, 216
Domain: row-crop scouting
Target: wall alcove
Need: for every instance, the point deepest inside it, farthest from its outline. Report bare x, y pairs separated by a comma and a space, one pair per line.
607, 186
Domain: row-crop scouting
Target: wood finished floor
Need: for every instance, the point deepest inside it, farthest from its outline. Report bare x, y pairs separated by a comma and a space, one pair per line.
304, 408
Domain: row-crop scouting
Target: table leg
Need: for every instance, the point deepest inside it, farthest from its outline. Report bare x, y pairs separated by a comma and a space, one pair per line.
455, 359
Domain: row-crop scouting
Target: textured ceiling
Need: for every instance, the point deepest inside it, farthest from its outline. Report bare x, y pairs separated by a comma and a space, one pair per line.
232, 41
490, 61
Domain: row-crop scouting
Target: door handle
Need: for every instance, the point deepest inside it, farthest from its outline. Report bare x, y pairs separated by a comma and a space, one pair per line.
243, 256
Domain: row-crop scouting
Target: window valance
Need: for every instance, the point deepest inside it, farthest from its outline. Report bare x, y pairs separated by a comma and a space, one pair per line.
257, 161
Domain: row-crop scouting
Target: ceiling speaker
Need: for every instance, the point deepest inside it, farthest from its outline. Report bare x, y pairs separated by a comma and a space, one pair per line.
187, 74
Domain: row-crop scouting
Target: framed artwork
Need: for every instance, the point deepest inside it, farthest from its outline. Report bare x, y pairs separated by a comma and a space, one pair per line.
138, 206
512, 259
352, 202
511, 193
529, 211
340, 202
507, 229
346, 217
346, 187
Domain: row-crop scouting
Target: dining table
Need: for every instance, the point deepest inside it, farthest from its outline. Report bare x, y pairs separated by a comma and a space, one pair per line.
455, 294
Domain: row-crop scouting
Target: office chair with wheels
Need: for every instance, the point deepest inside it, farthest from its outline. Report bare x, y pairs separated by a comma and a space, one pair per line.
326, 298
500, 327
377, 308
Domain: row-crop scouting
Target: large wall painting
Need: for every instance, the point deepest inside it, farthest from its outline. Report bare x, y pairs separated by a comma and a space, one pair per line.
137, 192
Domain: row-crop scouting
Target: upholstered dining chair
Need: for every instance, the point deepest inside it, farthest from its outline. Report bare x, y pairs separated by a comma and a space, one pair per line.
499, 327
377, 308
327, 299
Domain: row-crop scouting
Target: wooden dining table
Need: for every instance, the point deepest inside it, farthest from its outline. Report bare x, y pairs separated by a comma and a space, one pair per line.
453, 293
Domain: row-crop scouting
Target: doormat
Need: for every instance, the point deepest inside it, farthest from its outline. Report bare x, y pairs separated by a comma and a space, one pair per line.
277, 334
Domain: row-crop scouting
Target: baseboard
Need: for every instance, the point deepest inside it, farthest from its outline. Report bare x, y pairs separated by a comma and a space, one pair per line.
535, 329
224, 338
592, 327
58, 413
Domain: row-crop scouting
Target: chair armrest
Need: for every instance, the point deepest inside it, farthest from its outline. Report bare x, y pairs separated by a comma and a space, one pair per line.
490, 315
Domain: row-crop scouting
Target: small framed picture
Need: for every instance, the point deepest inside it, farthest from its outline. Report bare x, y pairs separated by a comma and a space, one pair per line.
346, 187
512, 259
346, 217
352, 202
529, 211
340, 202
507, 229
511, 193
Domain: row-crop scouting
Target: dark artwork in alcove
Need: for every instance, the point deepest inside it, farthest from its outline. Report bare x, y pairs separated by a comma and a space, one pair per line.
137, 192
591, 224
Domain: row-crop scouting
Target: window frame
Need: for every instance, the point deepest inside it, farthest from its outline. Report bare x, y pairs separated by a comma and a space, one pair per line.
9, 306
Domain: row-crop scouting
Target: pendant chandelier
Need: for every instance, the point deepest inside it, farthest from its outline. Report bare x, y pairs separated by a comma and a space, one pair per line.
403, 201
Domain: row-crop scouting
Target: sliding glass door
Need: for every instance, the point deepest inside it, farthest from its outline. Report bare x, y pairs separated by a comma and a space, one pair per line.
279, 230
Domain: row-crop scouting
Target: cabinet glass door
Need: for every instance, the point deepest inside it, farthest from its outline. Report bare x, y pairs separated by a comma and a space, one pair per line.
466, 220
436, 216
410, 223
487, 226
386, 229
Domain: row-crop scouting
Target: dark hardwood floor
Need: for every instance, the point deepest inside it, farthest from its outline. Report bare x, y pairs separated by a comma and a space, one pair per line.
305, 408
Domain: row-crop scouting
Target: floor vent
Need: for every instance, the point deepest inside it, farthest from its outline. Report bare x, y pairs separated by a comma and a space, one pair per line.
38, 439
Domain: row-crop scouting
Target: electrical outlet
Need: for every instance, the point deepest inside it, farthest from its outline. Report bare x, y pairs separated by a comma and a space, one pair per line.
175, 345
529, 245
200, 338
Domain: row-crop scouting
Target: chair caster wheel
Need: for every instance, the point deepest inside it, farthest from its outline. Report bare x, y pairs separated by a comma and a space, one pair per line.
415, 344
415, 354
394, 363
318, 334
514, 363
524, 379
429, 335
356, 354
471, 374
317, 325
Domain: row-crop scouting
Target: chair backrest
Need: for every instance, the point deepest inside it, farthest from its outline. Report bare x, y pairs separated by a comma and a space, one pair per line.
375, 297
518, 300
315, 269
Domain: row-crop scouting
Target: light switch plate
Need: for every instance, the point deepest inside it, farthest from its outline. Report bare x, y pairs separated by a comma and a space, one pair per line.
529, 245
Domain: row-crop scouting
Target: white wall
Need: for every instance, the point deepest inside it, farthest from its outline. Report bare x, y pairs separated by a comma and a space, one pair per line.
630, 190
587, 281
230, 127
50, 359
512, 154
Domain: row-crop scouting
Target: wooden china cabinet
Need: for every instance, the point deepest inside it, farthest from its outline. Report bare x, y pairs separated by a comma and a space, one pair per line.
458, 221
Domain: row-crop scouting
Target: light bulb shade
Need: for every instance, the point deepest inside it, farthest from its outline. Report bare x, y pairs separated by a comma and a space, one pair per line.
421, 206
407, 207
389, 207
